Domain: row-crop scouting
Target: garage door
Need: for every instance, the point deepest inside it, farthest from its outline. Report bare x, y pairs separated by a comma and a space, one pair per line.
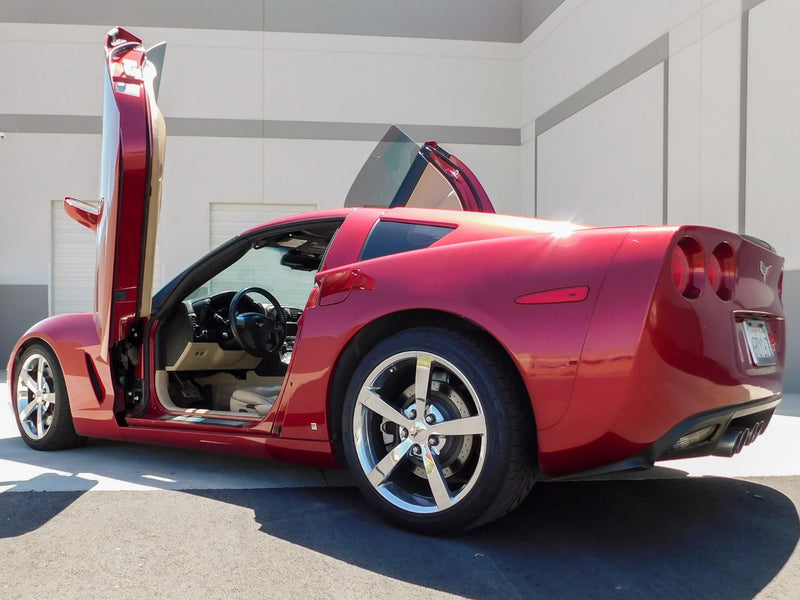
72, 270
228, 220
73, 264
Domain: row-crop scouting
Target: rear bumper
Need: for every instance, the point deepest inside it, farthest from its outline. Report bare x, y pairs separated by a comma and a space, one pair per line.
722, 431
727, 431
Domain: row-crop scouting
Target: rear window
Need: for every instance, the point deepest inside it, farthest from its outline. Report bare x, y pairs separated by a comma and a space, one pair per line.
394, 237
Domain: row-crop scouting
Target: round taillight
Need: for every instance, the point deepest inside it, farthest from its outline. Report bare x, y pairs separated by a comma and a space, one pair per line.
688, 267
681, 271
722, 270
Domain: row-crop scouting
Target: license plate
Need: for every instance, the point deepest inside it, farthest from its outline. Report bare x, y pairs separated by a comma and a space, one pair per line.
758, 343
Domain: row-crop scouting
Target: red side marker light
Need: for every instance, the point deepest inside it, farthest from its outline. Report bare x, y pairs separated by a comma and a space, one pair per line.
571, 294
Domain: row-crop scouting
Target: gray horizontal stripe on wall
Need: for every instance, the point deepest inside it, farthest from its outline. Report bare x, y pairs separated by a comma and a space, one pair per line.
644, 60
50, 124
247, 128
247, 15
477, 20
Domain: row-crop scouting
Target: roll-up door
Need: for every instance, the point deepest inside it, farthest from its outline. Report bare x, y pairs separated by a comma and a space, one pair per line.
72, 270
73, 264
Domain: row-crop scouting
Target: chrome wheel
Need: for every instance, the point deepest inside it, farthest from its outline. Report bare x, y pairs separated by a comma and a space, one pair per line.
419, 432
36, 397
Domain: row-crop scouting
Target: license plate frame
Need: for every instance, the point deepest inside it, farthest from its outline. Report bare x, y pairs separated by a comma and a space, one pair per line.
759, 346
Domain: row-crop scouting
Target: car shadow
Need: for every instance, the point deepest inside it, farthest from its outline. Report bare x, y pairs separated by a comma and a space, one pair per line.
31, 510
667, 538
143, 466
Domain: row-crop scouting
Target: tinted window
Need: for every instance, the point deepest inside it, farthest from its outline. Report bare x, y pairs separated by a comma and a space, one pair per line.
381, 179
392, 237
397, 173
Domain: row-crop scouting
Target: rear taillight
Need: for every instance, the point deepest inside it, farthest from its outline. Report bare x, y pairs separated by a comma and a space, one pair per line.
722, 270
688, 267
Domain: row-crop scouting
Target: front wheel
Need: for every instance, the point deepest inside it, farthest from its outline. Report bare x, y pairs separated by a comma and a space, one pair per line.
438, 432
40, 402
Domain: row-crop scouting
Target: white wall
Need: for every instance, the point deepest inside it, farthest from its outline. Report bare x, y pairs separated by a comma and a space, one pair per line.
221, 76
634, 107
773, 127
582, 43
598, 166
729, 110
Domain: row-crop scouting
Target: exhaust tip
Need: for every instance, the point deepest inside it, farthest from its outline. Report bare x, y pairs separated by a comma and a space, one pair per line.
732, 441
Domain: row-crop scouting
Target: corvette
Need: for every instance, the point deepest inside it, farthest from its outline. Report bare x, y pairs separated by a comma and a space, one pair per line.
448, 356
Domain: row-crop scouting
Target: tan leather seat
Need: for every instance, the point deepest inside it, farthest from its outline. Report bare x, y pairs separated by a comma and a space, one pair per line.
255, 400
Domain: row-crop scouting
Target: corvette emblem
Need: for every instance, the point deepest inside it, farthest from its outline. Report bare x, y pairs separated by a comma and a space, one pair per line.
765, 269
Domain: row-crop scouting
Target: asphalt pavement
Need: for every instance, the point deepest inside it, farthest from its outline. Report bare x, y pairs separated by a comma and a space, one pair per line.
118, 520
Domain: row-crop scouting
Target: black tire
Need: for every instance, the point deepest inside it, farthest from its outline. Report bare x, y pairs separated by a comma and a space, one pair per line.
41, 406
469, 461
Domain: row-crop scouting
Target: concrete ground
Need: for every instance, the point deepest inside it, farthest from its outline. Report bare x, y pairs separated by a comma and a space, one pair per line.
130, 521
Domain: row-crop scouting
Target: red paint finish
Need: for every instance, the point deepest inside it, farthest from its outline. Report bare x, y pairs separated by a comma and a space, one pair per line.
653, 357
125, 58
84, 213
462, 179
606, 376
544, 344
618, 334
73, 338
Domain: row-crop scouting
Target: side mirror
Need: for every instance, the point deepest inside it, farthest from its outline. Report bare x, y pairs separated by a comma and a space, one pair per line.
86, 213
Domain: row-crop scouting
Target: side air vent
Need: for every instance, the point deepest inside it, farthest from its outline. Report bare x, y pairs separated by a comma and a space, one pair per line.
94, 378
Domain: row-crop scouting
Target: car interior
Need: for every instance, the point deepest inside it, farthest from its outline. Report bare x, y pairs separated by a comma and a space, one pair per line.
225, 347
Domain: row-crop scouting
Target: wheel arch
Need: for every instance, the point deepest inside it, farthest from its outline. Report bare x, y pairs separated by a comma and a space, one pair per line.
379, 329
59, 432
19, 350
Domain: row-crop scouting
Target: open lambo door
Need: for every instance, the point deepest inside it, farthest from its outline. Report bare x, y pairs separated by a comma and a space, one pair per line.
399, 172
126, 215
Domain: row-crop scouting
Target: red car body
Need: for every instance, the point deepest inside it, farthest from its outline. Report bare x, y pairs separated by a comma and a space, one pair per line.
628, 344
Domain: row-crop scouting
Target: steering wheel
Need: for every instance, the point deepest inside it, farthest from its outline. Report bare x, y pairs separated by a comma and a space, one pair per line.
258, 334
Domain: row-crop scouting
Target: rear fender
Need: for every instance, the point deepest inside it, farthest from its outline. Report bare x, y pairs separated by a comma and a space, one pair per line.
476, 283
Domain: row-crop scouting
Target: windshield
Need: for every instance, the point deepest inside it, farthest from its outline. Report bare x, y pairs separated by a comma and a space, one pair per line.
265, 267
397, 174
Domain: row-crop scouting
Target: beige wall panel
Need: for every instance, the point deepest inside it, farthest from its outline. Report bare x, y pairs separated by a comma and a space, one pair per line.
719, 127
773, 127
685, 85
603, 165
392, 86
36, 169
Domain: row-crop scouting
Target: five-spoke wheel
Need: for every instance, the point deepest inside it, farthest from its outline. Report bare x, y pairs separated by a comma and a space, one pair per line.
427, 432
40, 401
36, 398
432, 428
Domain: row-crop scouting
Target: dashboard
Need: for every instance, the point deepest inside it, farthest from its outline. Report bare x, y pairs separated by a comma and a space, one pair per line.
198, 336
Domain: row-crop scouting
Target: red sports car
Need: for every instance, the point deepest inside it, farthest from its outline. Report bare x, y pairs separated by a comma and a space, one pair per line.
448, 358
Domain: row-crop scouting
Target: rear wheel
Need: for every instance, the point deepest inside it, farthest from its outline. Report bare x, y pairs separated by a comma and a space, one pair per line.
40, 401
438, 432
